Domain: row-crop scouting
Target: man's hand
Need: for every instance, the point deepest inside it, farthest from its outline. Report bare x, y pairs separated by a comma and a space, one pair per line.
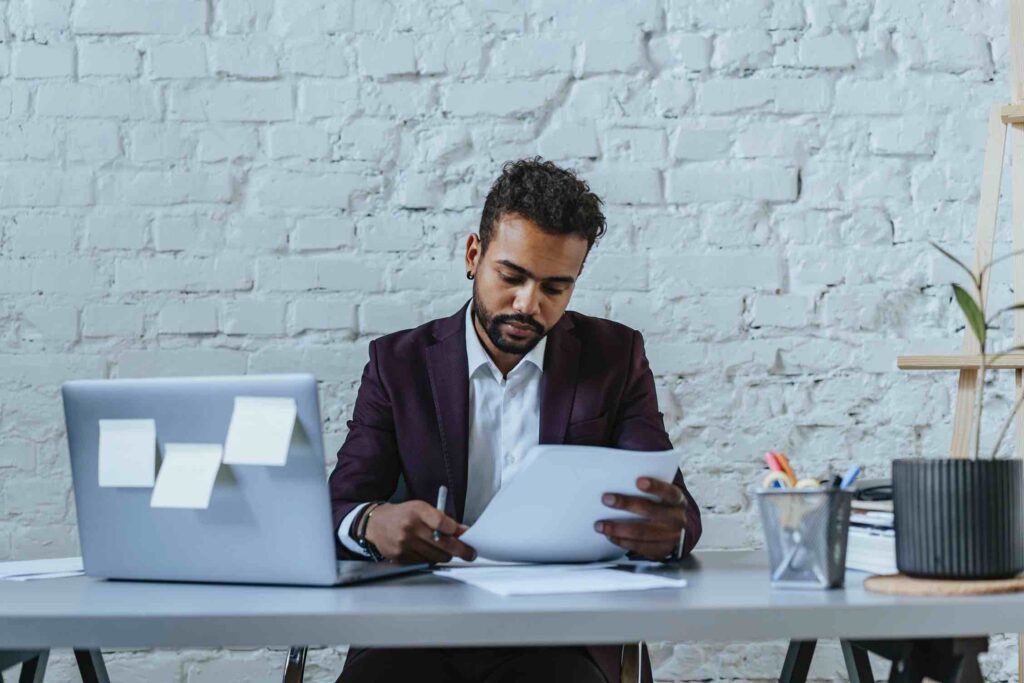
657, 533
404, 533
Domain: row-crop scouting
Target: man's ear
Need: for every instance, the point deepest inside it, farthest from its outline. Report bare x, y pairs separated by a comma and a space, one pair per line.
472, 252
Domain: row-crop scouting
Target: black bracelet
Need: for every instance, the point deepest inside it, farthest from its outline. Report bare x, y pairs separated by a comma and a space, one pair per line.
361, 524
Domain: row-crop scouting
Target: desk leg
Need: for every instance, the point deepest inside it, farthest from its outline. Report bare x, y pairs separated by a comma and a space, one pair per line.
295, 665
858, 667
950, 660
33, 664
91, 666
32, 670
798, 661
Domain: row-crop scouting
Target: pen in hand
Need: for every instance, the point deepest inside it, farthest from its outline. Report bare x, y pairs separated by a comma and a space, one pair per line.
442, 502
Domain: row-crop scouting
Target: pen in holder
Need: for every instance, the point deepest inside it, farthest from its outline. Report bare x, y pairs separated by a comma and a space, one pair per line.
806, 530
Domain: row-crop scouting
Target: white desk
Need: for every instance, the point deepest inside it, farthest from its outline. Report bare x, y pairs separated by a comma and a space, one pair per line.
728, 599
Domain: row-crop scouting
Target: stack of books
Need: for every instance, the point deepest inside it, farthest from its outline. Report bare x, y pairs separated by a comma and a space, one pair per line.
871, 546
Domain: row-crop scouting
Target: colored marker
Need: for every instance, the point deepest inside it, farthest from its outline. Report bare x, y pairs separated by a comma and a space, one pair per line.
784, 464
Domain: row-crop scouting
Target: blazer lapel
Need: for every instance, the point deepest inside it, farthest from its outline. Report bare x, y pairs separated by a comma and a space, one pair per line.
558, 383
448, 369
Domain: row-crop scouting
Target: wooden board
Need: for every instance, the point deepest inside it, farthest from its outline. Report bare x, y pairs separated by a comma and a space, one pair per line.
900, 584
1010, 361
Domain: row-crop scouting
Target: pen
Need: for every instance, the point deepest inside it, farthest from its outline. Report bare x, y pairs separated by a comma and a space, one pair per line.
442, 502
850, 477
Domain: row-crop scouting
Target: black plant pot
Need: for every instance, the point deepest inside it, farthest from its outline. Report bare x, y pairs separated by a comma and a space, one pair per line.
959, 518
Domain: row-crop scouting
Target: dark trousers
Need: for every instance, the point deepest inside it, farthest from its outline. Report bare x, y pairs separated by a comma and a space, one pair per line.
471, 665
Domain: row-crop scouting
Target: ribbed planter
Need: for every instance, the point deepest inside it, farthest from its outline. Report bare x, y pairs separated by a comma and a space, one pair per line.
959, 518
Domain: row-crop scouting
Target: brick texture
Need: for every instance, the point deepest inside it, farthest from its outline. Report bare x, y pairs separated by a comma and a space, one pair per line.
231, 186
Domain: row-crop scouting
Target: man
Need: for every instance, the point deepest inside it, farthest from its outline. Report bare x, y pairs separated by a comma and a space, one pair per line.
458, 401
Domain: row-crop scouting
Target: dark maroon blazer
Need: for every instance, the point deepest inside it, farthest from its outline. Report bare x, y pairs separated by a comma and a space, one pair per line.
411, 417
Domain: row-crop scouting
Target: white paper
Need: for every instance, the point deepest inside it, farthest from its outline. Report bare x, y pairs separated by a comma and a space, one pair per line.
547, 512
186, 475
544, 580
127, 453
457, 565
37, 577
260, 431
26, 570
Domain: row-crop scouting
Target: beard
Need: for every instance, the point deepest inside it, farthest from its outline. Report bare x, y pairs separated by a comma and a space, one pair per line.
492, 327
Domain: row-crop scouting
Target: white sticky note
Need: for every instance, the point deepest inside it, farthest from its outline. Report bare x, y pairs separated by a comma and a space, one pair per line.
127, 453
260, 431
186, 475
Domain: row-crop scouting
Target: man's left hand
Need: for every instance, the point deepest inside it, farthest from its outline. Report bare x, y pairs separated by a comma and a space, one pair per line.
662, 521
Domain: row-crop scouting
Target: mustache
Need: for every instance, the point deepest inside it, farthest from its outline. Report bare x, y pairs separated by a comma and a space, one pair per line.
519, 319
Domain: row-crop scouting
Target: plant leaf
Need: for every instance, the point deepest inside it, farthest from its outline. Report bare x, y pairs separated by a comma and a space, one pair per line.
974, 278
972, 312
1012, 307
994, 261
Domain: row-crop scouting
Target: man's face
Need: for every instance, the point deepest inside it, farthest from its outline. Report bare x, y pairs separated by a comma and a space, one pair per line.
523, 282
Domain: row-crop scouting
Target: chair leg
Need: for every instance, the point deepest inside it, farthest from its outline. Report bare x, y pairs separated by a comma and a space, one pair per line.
91, 666
798, 661
632, 665
295, 664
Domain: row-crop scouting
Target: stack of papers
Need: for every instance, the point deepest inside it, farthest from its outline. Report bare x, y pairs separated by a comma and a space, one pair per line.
556, 578
29, 570
546, 513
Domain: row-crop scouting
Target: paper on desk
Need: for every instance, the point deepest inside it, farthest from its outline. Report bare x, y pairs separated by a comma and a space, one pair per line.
543, 580
260, 431
127, 453
186, 475
547, 512
27, 570
458, 564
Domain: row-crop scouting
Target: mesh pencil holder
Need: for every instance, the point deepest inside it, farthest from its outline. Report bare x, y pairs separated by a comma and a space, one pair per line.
805, 531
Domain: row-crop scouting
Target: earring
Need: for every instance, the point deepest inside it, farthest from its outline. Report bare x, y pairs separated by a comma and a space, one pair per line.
469, 275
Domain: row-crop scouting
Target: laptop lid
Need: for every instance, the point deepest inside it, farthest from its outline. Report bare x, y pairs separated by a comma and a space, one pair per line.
264, 524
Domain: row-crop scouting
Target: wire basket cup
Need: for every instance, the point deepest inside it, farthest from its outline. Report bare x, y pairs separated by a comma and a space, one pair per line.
806, 531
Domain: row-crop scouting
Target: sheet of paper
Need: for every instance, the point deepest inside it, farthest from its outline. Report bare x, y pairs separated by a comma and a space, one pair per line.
127, 453
260, 431
543, 580
23, 570
186, 475
547, 512
37, 577
456, 565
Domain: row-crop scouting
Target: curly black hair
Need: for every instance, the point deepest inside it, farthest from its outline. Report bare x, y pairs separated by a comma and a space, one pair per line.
554, 198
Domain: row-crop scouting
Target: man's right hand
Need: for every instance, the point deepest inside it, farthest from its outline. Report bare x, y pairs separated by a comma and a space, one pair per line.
404, 532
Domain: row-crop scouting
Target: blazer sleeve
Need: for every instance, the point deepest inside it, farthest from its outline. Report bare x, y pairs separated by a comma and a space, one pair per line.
640, 426
368, 465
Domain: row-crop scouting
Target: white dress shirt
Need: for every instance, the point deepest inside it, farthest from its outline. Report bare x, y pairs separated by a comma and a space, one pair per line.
504, 422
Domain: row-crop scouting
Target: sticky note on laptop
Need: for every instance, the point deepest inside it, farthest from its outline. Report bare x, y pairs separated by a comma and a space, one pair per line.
127, 453
186, 475
260, 431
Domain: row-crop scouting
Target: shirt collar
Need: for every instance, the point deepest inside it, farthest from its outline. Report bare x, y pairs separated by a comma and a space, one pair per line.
478, 357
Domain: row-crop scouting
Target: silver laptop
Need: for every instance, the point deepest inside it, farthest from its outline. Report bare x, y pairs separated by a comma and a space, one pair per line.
269, 525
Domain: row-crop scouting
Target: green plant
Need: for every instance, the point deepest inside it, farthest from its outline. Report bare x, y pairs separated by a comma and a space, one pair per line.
979, 325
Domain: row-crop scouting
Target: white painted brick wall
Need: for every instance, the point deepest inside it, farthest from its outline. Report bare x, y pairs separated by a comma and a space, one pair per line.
232, 186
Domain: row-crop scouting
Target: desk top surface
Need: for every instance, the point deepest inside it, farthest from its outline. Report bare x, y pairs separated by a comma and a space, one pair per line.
728, 598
